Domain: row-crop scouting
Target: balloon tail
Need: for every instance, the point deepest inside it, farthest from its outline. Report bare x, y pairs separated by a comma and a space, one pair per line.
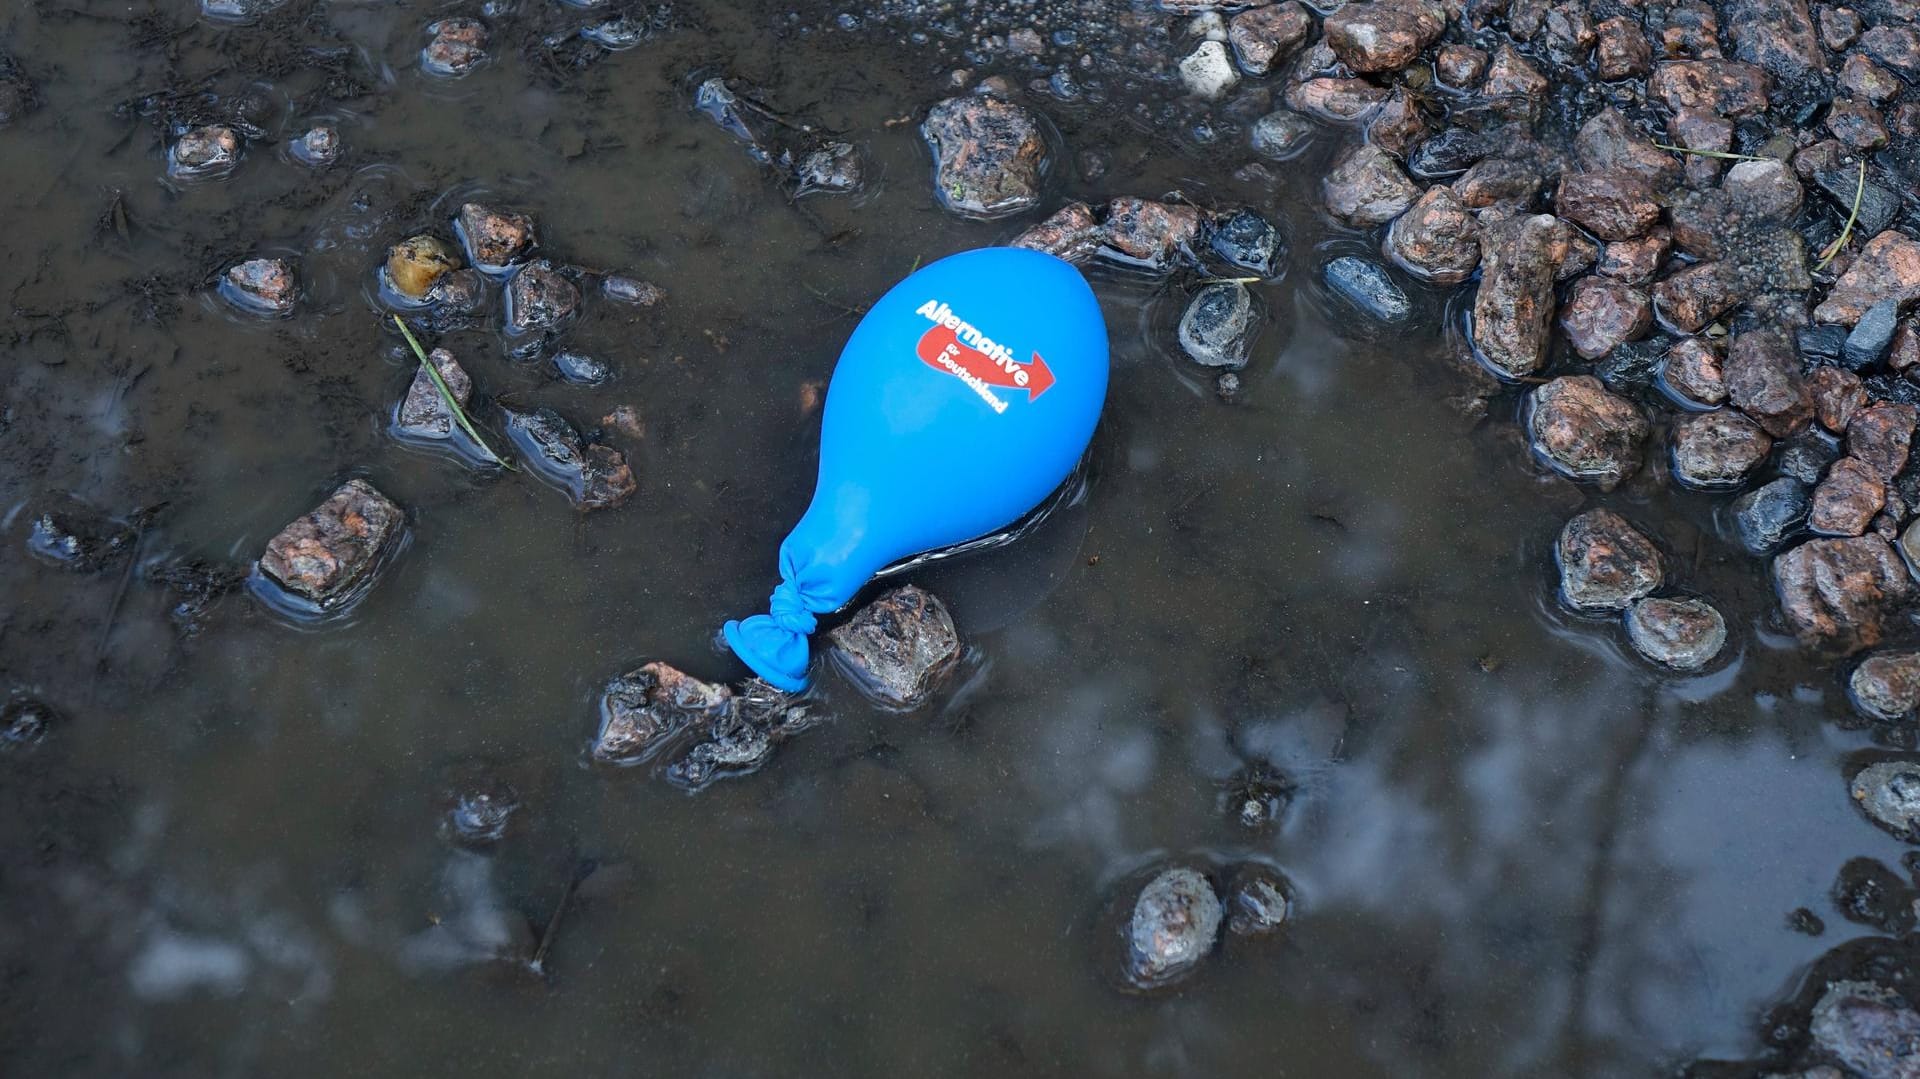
775, 644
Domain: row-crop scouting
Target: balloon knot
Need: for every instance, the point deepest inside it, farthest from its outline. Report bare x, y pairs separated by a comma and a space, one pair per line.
790, 612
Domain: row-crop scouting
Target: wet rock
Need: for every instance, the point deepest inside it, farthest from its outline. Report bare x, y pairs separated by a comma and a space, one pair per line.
415, 263
1071, 234
477, 807
318, 148
261, 286
987, 155
1460, 66
898, 648
1868, 81
1586, 432
1837, 592
834, 168
78, 538
1513, 307
1871, 1030
1695, 296
194, 587
1453, 152
495, 239
1692, 32
1614, 205
595, 476
625, 420
1337, 101
1692, 369
1621, 50
1846, 500
1763, 381
1896, 46
1776, 35
1806, 457
1398, 126
1878, 206
1871, 335
1634, 262
24, 723
581, 369
644, 710
1175, 922
1839, 27
458, 46
1257, 904
1436, 240
1511, 76
1281, 135
203, 153
1218, 324
1879, 437
1265, 34
1605, 563
1154, 235
1724, 87
1763, 191
1887, 268
1903, 354
1768, 514
1208, 71
1601, 314
423, 412
1609, 141
1382, 35
1857, 124
1499, 180
1717, 449
329, 556
539, 297
1886, 686
455, 301
1837, 394
1248, 241
1366, 187
1684, 634
1255, 798
1697, 129
631, 290
1368, 288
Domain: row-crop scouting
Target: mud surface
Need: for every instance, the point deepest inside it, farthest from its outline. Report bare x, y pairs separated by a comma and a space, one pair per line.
1316, 627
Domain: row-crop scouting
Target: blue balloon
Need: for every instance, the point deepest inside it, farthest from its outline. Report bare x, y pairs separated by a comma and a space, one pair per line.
966, 395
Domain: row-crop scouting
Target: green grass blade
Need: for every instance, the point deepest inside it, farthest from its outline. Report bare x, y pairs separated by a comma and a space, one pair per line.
446, 395
1846, 231
1721, 154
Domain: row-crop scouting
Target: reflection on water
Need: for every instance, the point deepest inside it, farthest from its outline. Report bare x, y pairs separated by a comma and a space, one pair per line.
1514, 849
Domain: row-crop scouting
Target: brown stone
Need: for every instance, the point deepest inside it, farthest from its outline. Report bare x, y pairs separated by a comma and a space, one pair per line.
1776, 35
898, 648
1880, 435
1265, 34
1600, 314
1837, 393
1621, 51
1695, 296
1846, 499
1339, 101
1839, 26
1898, 47
1726, 87
264, 285
1692, 32
1635, 261
326, 555
1692, 369
1582, 253
1398, 127
1382, 35
1437, 239
1510, 75
642, 711
1868, 81
1496, 180
1904, 354
1837, 592
1763, 381
1605, 563
1857, 124
1697, 129
496, 239
414, 264
1613, 205
1460, 66
987, 155
1513, 307
1586, 432
1609, 141
1071, 234
1150, 234
1366, 187
1717, 449
540, 297
1568, 33
1888, 268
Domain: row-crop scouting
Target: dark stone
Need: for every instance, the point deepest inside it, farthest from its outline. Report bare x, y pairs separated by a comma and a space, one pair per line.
477, 806
1605, 563
1499, 180
1697, 295
1609, 141
495, 239
1880, 435
1878, 206
1336, 101
832, 168
1585, 432
1614, 205
594, 475
424, 412
580, 368
1600, 314
1768, 514
1726, 87
1806, 457
330, 555
1511, 76
1436, 240
1367, 287
458, 46
262, 286
1871, 335
1896, 46
1873, 1031
643, 711
1513, 307
1217, 328
1822, 344
1175, 922
1366, 187
1148, 234
1764, 381
1836, 593
1692, 370
539, 297
631, 290
1846, 500
1281, 135
1255, 799
1867, 81
1382, 35
898, 648
987, 155
1717, 449
1248, 241
24, 723
195, 587
79, 538
1257, 903
1684, 634
1857, 124
1452, 152
1886, 686
1776, 35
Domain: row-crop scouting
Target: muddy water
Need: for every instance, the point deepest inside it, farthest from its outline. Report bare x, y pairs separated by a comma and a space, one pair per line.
1516, 850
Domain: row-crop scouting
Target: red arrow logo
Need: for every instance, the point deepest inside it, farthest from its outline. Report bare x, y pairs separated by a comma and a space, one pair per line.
940, 349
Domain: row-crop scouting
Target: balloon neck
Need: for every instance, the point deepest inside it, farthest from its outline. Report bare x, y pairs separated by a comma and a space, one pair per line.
775, 644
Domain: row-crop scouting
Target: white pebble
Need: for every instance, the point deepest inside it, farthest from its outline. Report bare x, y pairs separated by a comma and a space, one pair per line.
1208, 71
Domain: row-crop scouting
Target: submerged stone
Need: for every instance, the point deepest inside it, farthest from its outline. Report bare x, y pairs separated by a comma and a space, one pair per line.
833, 168
1836, 593
1217, 328
261, 286
1871, 1030
1886, 685
594, 475
204, 153
1248, 241
318, 148
1281, 135
495, 239
631, 290
1768, 514
24, 723
79, 539
1148, 234
1175, 922
477, 806
539, 297
1585, 432
987, 155
330, 555
898, 648
1257, 904
424, 412
458, 46
580, 368
415, 263
643, 710
1685, 634
1717, 449
1367, 287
